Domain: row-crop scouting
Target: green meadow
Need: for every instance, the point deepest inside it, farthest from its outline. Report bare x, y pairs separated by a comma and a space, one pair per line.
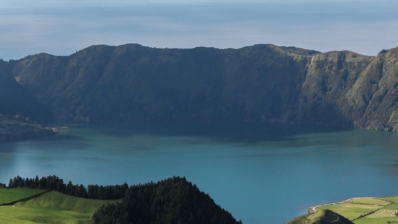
51, 207
14, 194
363, 210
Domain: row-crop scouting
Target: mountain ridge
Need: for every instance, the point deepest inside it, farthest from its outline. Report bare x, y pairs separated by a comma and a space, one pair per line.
132, 83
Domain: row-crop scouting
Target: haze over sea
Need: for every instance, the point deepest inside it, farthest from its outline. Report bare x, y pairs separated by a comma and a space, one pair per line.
63, 27
261, 174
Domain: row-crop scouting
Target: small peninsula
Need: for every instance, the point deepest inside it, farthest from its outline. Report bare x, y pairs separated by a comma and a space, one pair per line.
365, 210
15, 130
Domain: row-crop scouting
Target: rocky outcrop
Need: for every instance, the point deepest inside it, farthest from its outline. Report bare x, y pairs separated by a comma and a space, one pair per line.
351, 89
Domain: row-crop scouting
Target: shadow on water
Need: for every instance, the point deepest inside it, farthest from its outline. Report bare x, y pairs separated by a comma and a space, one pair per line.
7, 147
228, 132
59, 142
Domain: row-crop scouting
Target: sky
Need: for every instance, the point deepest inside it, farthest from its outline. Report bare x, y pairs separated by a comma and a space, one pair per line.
63, 27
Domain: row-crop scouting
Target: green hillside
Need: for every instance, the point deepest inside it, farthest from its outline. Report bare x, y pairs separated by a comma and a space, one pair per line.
52, 207
15, 194
169, 201
357, 210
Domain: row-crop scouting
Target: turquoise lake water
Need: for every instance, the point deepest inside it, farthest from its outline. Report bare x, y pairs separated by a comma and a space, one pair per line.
261, 174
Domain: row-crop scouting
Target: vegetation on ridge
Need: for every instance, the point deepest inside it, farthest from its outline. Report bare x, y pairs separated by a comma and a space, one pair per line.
173, 200
51, 207
11, 195
261, 83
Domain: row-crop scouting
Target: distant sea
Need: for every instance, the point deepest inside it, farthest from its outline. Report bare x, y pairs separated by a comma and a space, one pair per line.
259, 173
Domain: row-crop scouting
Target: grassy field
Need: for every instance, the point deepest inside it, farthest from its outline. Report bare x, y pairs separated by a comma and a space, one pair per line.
51, 207
383, 213
370, 201
10, 195
350, 210
364, 210
375, 221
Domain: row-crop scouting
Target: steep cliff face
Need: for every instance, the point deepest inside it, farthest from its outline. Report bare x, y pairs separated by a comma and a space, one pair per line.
132, 83
351, 89
18, 109
261, 83
328, 87
377, 93
17, 101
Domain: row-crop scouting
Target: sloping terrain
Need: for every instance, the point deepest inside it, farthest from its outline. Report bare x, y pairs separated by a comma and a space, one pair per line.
356, 210
262, 83
169, 201
326, 217
20, 112
10, 195
51, 207
16, 100
132, 83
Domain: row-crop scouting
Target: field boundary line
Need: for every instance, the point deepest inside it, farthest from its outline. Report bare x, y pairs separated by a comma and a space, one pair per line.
25, 199
312, 209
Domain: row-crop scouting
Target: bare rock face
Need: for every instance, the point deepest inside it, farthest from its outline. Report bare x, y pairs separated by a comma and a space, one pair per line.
261, 83
354, 90
328, 84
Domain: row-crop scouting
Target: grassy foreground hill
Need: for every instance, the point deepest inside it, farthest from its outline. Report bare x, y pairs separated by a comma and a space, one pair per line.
11, 195
51, 207
170, 201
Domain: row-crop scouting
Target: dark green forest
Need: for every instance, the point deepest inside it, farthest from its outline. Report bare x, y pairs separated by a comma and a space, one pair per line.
170, 201
57, 184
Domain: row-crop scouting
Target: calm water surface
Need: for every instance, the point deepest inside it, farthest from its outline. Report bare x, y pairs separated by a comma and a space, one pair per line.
261, 174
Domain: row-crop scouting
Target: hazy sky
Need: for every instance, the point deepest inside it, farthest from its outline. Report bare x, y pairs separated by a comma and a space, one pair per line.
30, 27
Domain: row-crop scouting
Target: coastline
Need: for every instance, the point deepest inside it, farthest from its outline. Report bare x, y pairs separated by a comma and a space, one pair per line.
14, 130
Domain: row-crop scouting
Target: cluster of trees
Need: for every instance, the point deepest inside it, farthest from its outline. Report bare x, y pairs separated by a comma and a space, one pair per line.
171, 201
57, 184
3, 185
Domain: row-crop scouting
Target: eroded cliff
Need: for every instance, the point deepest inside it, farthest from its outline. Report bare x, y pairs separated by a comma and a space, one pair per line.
261, 83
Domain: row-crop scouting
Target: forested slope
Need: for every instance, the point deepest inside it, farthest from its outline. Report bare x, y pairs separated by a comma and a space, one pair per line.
171, 201
262, 83
20, 112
